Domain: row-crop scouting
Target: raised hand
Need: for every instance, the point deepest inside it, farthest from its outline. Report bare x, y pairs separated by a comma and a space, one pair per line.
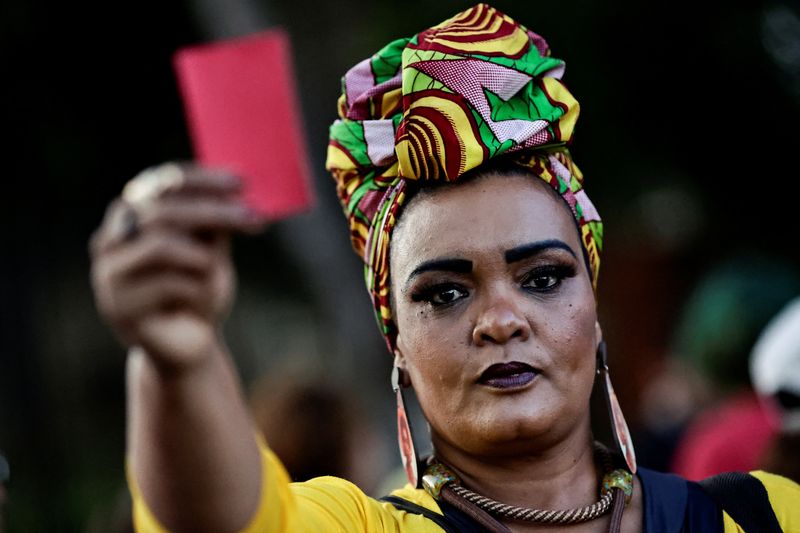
161, 265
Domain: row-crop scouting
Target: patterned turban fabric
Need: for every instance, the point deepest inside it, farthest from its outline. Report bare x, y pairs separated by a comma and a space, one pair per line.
438, 104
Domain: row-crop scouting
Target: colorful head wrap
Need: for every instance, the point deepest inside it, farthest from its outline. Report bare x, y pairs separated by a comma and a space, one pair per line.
436, 105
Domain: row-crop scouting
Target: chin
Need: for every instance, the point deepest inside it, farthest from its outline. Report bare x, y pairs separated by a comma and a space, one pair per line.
510, 429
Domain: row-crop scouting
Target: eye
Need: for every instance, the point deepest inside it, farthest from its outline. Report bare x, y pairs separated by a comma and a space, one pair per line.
542, 282
447, 296
547, 278
440, 295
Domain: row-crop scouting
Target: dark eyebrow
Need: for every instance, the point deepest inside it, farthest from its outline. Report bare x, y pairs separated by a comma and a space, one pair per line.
527, 250
447, 265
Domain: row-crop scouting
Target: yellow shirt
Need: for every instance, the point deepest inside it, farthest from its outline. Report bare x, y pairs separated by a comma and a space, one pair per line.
784, 496
332, 504
321, 504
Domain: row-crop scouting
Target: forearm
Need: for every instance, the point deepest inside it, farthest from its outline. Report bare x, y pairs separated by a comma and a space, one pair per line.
191, 444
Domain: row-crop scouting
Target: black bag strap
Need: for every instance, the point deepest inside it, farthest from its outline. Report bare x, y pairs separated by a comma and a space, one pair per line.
745, 499
453, 520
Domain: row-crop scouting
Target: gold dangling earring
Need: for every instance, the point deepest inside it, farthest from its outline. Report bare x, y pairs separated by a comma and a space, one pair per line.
622, 436
405, 438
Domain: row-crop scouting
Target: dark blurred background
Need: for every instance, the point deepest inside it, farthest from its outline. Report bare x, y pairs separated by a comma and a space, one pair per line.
687, 138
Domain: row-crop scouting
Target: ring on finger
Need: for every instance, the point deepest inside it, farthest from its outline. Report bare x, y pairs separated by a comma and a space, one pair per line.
124, 224
129, 224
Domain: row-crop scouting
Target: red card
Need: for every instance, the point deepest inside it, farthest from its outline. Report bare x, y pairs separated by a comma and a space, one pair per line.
243, 115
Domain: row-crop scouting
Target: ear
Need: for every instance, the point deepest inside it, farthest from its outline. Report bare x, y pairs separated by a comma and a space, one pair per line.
598, 333
399, 357
400, 362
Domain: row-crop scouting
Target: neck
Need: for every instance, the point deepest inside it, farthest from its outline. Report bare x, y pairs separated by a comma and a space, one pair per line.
558, 476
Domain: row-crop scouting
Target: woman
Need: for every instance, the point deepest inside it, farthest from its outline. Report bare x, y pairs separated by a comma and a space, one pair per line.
489, 312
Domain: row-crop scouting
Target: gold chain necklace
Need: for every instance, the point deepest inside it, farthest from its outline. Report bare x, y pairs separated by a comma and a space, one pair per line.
438, 476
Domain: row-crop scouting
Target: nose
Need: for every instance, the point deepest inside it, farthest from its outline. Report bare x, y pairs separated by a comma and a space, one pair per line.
500, 322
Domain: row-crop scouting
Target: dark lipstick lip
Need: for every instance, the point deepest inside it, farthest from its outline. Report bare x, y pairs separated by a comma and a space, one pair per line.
508, 375
506, 369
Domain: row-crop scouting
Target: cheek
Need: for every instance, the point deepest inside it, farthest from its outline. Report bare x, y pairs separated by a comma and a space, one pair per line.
580, 329
434, 356
573, 339
431, 355
429, 338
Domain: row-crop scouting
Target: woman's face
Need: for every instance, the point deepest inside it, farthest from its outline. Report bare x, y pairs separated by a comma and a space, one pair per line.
496, 316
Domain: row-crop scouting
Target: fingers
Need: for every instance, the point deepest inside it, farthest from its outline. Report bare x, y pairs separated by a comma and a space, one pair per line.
180, 179
126, 277
205, 201
160, 292
162, 257
197, 180
199, 214
165, 250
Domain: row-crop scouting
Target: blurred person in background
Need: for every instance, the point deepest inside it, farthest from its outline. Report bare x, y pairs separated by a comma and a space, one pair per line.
775, 371
315, 428
668, 402
490, 314
720, 324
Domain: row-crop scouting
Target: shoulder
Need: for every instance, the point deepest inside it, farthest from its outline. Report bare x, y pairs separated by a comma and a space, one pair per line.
338, 501
329, 504
672, 504
784, 497
755, 502
662, 490
418, 497
334, 488
777, 486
